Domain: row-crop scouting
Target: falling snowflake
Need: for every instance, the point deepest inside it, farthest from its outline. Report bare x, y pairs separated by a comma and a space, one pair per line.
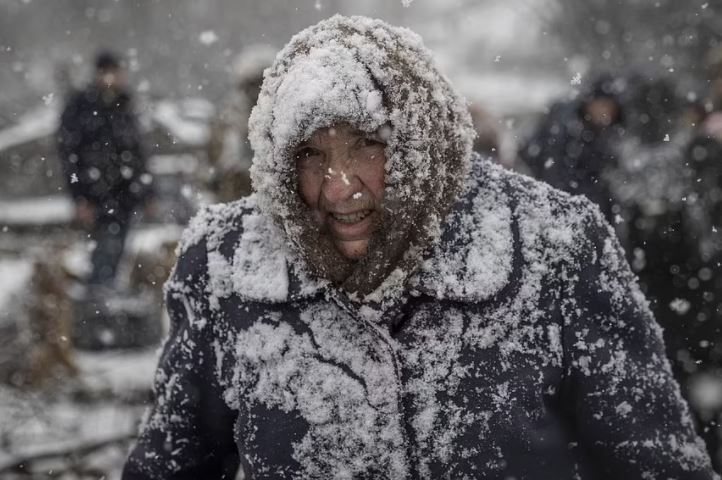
406, 3
623, 409
73, 178
680, 306
577, 79
209, 37
666, 138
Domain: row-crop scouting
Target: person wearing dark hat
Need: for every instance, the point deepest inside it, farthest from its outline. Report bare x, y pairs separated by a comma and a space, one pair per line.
101, 152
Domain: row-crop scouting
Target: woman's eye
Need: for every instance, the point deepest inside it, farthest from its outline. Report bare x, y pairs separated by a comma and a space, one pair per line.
370, 142
306, 153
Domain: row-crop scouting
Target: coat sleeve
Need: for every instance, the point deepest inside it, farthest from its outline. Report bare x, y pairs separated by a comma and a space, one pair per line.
625, 404
188, 431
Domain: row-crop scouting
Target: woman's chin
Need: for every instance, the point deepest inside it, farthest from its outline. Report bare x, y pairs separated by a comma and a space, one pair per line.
352, 249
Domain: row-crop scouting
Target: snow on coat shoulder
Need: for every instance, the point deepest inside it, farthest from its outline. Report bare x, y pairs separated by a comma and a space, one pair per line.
246, 254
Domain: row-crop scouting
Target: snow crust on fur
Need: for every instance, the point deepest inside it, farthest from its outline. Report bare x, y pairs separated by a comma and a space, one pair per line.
372, 76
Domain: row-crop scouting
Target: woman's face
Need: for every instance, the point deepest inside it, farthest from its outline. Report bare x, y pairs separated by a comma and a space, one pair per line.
341, 179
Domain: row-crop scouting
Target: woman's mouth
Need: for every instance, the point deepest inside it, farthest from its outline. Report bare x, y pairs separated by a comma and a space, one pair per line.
351, 218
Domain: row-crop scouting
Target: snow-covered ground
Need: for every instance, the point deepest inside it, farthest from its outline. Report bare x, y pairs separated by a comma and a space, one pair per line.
96, 414
81, 425
14, 276
38, 123
50, 210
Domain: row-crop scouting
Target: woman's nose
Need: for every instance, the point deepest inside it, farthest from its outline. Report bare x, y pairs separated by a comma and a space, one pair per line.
340, 179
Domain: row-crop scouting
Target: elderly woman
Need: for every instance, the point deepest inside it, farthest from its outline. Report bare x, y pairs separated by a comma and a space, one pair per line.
387, 306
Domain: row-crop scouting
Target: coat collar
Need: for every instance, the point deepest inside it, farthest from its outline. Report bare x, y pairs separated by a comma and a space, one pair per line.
472, 260
264, 269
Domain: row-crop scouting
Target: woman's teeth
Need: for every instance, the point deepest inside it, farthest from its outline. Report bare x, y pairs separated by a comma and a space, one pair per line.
351, 217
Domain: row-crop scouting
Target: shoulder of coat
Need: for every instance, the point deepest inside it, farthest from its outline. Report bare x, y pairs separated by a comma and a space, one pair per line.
244, 253
562, 224
545, 215
213, 222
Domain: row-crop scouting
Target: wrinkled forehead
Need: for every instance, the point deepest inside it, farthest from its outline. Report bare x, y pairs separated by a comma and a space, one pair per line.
323, 88
344, 133
333, 133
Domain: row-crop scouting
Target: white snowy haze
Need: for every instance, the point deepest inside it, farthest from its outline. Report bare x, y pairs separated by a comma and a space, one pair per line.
185, 48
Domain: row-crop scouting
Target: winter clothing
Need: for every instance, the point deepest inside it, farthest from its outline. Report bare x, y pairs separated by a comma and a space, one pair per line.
522, 348
507, 339
570, 154
671, 203
109, 233
670, 194
100, 150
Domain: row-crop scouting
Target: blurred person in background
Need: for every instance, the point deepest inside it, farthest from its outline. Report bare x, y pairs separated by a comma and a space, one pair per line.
229, 153
100, 148
654, 183
576, 142
697, 278
669, 186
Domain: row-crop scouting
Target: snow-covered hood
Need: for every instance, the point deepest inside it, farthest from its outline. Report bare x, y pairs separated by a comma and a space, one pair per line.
367, 74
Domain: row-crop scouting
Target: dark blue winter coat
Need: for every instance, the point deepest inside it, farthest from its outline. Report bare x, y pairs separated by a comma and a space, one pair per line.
521, 348
100, 148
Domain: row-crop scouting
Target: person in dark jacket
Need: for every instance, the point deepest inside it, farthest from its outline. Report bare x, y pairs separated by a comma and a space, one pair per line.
103, 162
575, 143
385, 306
